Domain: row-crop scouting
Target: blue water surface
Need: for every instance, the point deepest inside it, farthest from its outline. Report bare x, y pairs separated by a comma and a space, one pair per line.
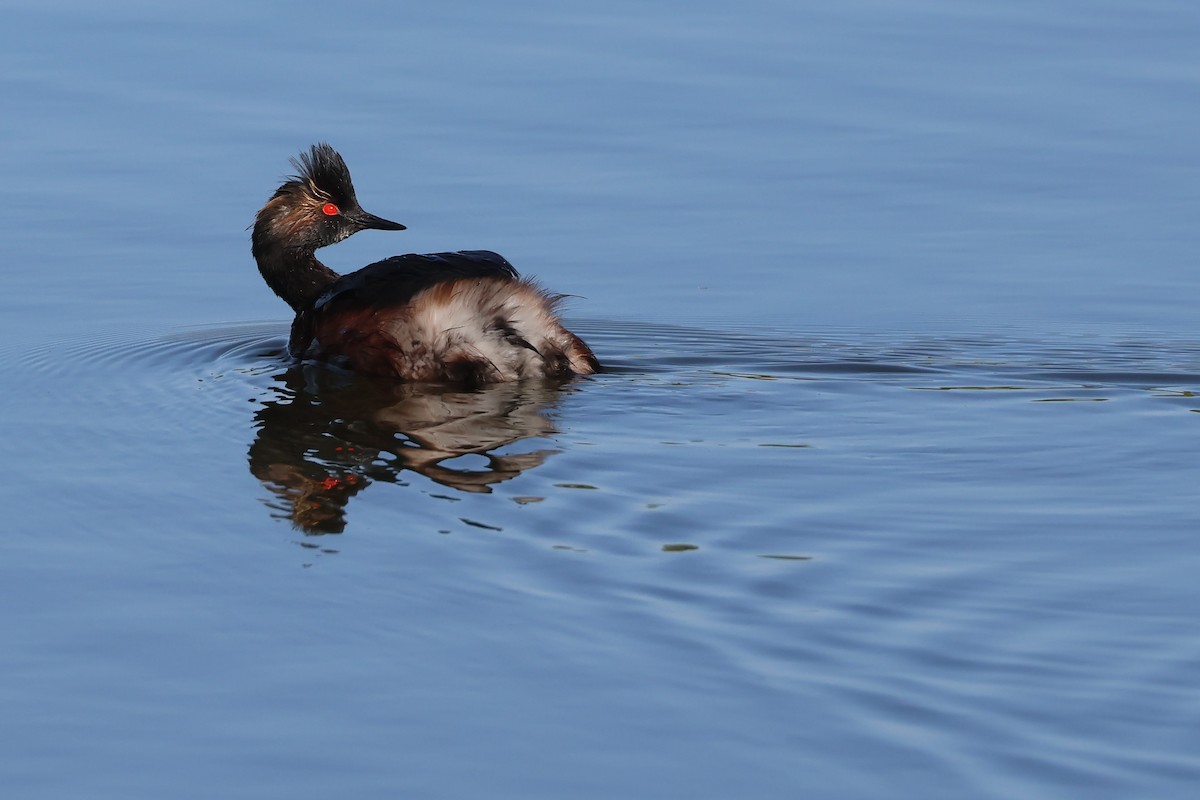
888, 488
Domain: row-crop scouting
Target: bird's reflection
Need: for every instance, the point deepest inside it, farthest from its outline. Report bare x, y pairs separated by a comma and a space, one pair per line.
326, 435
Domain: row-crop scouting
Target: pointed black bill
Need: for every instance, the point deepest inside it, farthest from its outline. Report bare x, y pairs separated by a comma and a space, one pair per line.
365, 221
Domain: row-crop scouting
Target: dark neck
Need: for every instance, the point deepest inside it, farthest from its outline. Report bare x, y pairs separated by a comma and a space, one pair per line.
295, 275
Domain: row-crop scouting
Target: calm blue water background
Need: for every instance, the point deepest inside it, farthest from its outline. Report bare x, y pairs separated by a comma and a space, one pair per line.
890, 489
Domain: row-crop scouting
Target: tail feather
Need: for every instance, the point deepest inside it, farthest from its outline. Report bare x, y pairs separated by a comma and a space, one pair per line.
485, 330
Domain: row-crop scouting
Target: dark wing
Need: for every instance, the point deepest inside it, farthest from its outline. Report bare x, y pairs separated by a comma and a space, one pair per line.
393, 282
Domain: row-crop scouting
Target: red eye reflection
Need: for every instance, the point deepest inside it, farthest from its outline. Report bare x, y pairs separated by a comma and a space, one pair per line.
330, 210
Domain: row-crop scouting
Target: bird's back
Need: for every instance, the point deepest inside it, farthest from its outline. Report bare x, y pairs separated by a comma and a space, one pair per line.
396, 280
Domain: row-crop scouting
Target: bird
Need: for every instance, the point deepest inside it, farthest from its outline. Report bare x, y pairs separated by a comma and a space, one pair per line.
464, 317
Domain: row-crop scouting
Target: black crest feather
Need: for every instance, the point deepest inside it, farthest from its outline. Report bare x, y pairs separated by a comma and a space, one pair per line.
323, 167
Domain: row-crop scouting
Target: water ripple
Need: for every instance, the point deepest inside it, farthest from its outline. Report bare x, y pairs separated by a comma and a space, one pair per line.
642, 348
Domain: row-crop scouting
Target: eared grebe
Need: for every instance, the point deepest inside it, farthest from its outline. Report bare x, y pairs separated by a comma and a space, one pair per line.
462, 317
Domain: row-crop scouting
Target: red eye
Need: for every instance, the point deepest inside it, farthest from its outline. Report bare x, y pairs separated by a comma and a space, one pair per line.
330, 210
